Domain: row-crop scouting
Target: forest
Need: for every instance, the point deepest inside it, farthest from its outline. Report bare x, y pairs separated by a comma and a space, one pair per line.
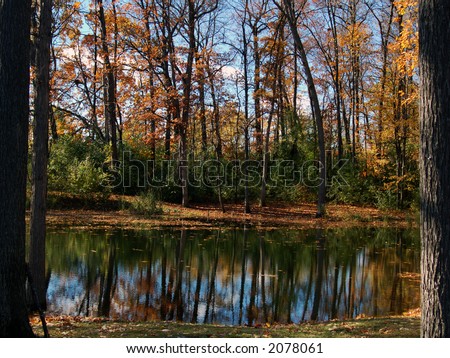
248, 163
246, 101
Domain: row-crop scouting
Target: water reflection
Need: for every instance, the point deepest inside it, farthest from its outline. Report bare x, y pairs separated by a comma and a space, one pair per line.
235, 276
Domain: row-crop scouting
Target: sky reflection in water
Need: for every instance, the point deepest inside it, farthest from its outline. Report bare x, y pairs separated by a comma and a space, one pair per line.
233, 276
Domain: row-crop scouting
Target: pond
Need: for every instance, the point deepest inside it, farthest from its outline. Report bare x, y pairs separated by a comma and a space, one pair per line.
233, 276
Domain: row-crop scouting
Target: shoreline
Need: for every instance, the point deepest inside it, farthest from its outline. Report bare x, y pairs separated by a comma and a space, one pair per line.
203, 216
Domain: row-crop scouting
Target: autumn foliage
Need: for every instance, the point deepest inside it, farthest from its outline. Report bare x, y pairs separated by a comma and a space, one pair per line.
197, 80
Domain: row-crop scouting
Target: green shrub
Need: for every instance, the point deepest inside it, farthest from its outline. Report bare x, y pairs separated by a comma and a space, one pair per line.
75, 167
146, 204
85, 178
354, 187
386, 199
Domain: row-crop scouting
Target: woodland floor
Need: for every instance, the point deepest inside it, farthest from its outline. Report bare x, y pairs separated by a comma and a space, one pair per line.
405, 326
202, 216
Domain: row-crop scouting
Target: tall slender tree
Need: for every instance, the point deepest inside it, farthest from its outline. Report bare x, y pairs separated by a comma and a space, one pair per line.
292, 15
246, 109
14, 108
40, 151
109, 87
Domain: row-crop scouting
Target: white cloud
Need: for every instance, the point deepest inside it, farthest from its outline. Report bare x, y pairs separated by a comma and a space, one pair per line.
230, 71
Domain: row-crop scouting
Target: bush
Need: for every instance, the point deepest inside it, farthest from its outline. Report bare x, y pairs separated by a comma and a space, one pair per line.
358, 187
85, 178
146, 204
75, 167
386, 199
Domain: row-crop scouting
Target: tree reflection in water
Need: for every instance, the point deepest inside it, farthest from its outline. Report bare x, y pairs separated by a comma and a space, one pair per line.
233, 276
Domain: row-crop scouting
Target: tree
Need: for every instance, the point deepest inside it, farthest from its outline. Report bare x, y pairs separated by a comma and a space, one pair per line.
256, 11
385, 22
110, 87
289, 10
434, 62
40, 152
275, 83
246, 115
187, 89
14, 107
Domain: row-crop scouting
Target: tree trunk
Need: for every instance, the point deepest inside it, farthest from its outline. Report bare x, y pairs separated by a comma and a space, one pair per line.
266, 156
337, 76
14, 109
434, 61
203, 114
246, 114
289, 11
187, 82
354, 77
277, 97
151, 71
257, 89
110, 88
216, 121
167, 136
202, 101
40, 153
385, 38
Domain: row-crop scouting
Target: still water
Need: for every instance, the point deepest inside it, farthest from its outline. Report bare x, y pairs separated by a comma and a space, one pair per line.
233, 276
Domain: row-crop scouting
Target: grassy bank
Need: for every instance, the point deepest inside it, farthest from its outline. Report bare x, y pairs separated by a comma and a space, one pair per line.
407, 326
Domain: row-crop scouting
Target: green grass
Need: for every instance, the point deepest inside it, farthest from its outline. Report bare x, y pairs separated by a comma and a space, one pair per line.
388, 327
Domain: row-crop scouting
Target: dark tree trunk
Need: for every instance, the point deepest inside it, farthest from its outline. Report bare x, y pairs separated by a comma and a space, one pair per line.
167, 136
187, 83
266, 158
385, 38
151, 71
400, 115
257, 89
216, 121
40, 153
201, 90
53, 127
291, 16
331, 8
434, 60
110, 89
246, 114
265, 173
14, 109
348, 141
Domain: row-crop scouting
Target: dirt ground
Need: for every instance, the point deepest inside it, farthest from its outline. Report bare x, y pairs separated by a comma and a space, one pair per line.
204, 216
